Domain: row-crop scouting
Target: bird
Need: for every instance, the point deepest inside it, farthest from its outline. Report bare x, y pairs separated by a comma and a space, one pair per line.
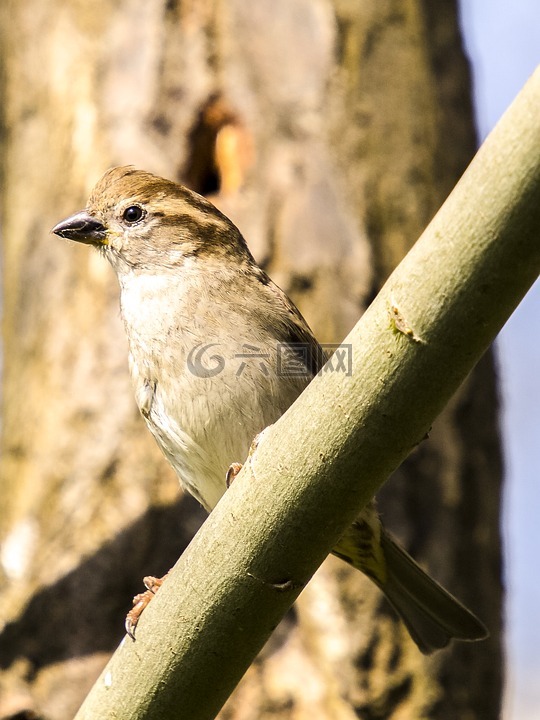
210, 339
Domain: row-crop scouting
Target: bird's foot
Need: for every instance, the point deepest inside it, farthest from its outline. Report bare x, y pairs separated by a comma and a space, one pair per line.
235, 467
140, 601
232, 473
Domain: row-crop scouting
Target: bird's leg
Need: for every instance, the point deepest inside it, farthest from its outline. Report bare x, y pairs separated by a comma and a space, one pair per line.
140, 601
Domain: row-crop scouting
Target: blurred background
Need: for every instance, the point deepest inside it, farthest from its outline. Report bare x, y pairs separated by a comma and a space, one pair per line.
330, 131
502, 39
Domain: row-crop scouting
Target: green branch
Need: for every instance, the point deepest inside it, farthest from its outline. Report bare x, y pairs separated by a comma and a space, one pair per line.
318, 465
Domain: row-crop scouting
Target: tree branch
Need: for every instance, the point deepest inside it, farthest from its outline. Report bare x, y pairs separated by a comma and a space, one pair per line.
324, 459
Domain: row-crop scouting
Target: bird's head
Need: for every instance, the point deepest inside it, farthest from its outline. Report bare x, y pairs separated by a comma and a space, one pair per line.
144, 222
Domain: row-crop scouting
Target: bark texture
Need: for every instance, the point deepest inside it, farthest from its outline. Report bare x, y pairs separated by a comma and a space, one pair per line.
330, 131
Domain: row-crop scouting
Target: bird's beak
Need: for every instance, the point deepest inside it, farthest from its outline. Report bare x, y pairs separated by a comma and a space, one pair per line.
83, 228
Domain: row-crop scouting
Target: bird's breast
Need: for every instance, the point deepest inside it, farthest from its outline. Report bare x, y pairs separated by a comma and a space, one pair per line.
206, 381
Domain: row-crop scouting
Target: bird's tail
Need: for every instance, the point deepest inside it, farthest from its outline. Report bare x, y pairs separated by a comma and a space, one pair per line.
432, 616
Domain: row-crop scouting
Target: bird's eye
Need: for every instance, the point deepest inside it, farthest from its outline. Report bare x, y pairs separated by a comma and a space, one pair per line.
133, 214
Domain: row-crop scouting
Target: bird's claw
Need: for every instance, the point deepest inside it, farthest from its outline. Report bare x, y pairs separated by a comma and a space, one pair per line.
140, 601
235, 467
232, 473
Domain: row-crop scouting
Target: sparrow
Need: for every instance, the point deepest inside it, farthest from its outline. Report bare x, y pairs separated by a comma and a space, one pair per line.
217, 352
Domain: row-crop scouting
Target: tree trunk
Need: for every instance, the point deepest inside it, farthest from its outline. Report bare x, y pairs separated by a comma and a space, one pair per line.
330, 132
